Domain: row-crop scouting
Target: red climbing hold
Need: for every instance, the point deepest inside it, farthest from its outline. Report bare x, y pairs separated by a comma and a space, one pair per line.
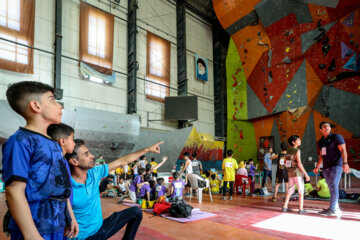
234, 85
241, 134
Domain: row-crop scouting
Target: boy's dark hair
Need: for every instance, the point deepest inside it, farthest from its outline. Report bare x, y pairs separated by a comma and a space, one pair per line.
201, 61
187, 154
176, 175
207, 174
229, 152
100, 155
147, 178
141, 171
20, 94
194, 155
284, 146
250, 160
152, 159
121, 177
324, 122
306, 181
148, 167
292, 139
78, 143
142, 157
321, 174
57, 131
152, 183
213, 176
160, 181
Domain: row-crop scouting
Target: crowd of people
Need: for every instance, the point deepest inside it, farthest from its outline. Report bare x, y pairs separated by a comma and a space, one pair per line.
54, 184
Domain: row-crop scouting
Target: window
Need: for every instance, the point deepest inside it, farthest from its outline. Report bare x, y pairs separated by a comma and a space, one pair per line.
96, 38
17, 26
158, 68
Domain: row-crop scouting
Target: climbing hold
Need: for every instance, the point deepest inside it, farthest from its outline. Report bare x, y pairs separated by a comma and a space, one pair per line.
332, 66
294, 91
325, 49
290, 101
287, 49
322, 66
288, 95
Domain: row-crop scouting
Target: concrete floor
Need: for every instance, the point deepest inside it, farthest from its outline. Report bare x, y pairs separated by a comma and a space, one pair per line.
244, 218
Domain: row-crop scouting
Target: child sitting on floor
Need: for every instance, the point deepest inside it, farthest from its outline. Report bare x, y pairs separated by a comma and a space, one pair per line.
160, 189
123, 186
308, 188
177, 186
322, 189
215, 184
144, 191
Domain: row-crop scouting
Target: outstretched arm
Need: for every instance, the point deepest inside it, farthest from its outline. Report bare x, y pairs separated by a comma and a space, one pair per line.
301, 167
131, 157
160, 164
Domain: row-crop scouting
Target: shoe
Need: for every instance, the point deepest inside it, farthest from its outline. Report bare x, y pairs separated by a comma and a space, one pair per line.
324, 212
187, 195
223, 198
273, 199
230, 198
334, 212
302, 211
286, 210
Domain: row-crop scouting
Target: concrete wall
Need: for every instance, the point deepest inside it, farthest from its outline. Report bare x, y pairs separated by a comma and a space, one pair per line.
156, 16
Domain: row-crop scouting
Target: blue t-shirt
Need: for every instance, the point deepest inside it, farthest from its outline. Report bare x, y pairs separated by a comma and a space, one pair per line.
35, 159
333, 154
86, 202
268, 161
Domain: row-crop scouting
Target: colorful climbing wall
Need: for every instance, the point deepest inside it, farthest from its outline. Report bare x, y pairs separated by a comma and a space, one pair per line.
291, 64
209, 151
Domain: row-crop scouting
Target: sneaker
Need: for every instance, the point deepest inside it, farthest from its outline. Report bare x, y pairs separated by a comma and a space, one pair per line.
324, 212
187, 195
230, 198
302, 211
273, 199
334, 212
286, 210
223, 198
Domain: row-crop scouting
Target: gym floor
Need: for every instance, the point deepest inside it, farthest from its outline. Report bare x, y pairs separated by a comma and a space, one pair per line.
244, 218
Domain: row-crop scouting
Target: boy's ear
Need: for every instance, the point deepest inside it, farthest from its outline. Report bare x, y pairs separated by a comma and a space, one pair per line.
62, 141
34, 106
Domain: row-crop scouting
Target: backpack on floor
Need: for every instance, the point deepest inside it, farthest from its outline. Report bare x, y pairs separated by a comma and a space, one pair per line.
180, 209
161, 207
259, 191
342, 194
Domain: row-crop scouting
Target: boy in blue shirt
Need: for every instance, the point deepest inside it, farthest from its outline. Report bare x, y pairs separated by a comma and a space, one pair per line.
36, 178
64, 135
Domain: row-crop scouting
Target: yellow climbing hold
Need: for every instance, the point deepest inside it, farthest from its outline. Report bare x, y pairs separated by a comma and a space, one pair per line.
359, 87
288, 95
290, 101
294, 91
287, 49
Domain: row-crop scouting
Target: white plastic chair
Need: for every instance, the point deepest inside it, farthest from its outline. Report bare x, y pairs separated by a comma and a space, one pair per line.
200, 190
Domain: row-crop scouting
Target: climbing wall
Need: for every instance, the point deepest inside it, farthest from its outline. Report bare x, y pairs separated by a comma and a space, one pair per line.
290, 65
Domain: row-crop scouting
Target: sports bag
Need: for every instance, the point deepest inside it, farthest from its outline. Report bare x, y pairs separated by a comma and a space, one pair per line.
161, 207
180, 209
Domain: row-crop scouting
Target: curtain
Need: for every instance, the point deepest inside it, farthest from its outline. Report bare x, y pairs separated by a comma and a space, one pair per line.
96, 38
17, 19
157, 68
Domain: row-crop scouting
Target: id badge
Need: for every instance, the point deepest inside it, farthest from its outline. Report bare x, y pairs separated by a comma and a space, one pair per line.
228, 164
288, 163
323, 151
178, 185
282, 160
